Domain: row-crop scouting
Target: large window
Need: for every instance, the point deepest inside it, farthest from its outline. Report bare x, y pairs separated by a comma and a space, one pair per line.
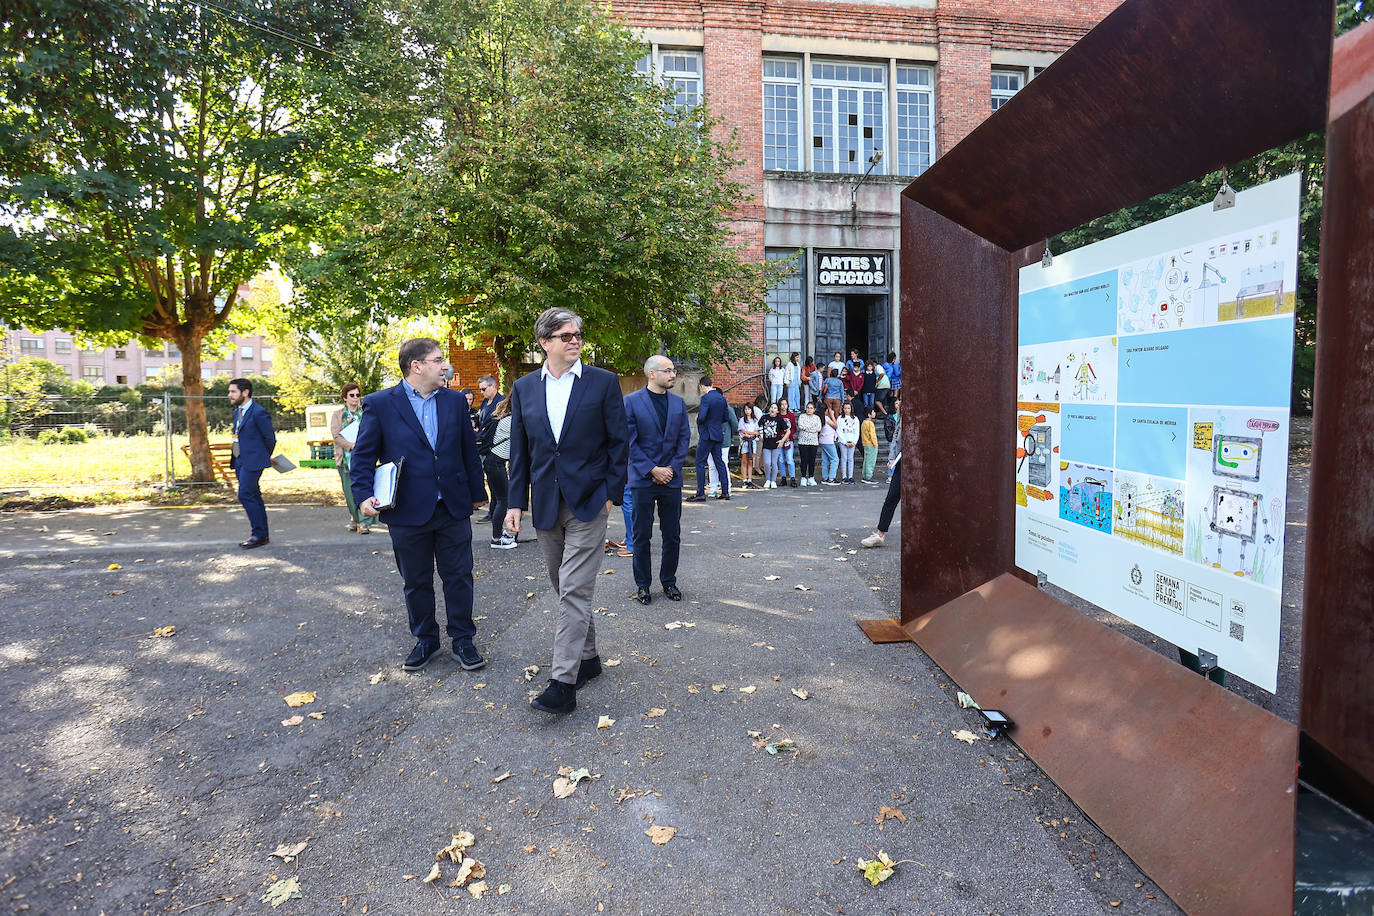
93, 374
782, 113
1005, 84
915, 136
679, 69
30, 346
783, 325
849, 101
62, 346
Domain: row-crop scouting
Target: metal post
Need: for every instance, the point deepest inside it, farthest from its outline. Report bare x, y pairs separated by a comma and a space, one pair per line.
169, 470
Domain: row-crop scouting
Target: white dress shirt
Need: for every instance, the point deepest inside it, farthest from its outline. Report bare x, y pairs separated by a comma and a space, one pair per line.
556, 394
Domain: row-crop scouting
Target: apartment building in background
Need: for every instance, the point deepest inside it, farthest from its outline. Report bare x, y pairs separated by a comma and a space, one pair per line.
132, 364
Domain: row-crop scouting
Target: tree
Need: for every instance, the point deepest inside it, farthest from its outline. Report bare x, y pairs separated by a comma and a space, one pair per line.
153, 156
539, 169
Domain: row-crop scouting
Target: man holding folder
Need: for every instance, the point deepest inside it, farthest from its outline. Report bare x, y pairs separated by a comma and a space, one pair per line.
422, 427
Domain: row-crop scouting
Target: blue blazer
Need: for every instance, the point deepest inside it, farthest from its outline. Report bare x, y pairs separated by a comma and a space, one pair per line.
711, 415
389, 430
652, 446
587, 466
257, 440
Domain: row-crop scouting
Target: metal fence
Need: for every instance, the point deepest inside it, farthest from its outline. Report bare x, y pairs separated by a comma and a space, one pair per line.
127, 440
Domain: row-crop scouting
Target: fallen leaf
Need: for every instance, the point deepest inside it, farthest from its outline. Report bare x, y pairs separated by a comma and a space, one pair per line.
802, 588
967, 702
478, 889
693, 688
874, 588
315, 715
470, 870
605, 722
879, 869
757, 644
771, 578
835, 547
1114, 903
660, 835
503, 889
503, 777
611, 662
655, 713
287, 853
746, 556
117, 566
433, 874
568, 779
529, 595
886, 813
284, 890
531, 671
531, 848
409, 877
377, 678
785, 746
800, 694
965, 735
299, 698
163, 632
294, 720
608, 572
478, 686
750, 689
720, 688
754, 734
462, 840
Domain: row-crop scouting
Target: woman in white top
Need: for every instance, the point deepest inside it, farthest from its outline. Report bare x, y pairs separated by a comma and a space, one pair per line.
847, 432
830, 458
793, 380
748, 444
777, 378
808, 439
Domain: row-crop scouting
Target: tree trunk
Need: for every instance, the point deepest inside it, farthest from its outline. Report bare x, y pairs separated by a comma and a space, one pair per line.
508, 352
189, 341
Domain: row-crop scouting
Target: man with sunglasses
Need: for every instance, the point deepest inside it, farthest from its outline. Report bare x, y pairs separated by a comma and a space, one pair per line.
568, 445
424, 425
659, 436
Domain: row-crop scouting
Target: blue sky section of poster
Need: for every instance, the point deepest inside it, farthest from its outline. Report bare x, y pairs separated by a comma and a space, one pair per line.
1088, 433
1085, 307
1152, 440
1209, 365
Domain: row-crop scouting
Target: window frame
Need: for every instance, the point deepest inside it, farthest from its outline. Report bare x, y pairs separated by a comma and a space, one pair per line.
796, 317
651, 66
926, 90
794, 158
1000, 97
860, 119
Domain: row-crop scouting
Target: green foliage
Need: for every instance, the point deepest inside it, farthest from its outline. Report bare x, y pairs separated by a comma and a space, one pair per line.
534, 168
67, 435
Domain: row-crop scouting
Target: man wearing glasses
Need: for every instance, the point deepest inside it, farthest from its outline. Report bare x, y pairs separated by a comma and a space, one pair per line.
424, 425
568, 442
491, 396
659, 437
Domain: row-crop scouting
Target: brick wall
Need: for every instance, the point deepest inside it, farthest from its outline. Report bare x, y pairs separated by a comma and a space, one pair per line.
470, 365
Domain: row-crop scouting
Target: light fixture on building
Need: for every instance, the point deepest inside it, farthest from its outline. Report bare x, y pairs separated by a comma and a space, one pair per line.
854, 189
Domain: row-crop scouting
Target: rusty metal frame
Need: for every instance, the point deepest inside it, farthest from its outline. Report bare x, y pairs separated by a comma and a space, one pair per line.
1196, 785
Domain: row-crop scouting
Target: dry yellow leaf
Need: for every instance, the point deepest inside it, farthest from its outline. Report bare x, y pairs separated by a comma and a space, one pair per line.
720, 688
315, 715
529, 595
470, 870
750, 689
965, 736
377, 678
660, 835
454, 850
299, 698
287, 853
563, 787
799, 693
693, 688
655, 713
503, 777
608, 572
433, 874
294, 720
531, 848
605, 722
478, 686
886, 813
478, 889
611, 662
114, 566
503, 889
163, 632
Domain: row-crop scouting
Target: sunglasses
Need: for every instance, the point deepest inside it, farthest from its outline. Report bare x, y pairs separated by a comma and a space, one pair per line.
567, 336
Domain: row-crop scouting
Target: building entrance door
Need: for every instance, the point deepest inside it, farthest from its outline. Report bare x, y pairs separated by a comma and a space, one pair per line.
830, 327
866, 326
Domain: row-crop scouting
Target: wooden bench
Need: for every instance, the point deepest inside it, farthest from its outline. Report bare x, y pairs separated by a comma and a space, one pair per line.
219, 460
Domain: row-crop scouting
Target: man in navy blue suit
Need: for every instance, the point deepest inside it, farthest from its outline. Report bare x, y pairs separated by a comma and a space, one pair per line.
710, 417
659, 437
423, 422
568, 444
254, 442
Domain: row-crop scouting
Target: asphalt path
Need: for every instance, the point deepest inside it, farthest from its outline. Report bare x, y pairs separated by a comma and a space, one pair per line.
155, 774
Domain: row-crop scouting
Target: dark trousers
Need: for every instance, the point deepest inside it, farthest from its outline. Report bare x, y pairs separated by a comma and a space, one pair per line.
808, 460
498, 485
669, 502
250, 497
893, 500
712, 450
444, 541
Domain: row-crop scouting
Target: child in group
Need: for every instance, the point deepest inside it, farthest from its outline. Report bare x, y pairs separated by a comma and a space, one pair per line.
847, 432
787, 460
748, 443
777, 377
830, 459
772, 430
854, 384
793, 380
808, 438
870, 388
868, 440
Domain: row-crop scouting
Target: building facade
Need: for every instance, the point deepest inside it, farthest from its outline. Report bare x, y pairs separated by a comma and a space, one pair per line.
132, 364
837, 106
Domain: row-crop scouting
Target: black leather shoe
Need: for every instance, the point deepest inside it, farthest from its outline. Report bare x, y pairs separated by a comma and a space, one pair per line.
695, 499
794, 483
723, 496
590, 668
253, 542
466, 654
673, 592
421, 655
558, 698
643, 596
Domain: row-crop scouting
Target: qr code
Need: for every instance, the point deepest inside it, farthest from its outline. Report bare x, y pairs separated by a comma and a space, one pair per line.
1238, 631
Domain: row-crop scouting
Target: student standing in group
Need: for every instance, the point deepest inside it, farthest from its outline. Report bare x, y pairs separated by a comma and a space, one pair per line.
493, 446
854, 385
569, 445
659, 437
777, 379
425, 424
808, 440
834, 391
748, 444
787, 455
772, 430
830, 458
870, 389
254, 442
883, 386
847, 432
794, 380
894, 372
347, 415
868, 441
837, 363
816, 384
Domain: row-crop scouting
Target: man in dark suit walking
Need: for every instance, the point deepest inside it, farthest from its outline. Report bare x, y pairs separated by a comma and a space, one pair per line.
568, 444
251, 454
423, 424
710, 417
659, 437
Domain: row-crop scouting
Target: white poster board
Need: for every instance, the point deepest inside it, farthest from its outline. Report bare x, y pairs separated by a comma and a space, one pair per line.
1153, 385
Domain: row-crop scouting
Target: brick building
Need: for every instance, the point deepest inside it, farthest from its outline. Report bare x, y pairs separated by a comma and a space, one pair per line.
837, 106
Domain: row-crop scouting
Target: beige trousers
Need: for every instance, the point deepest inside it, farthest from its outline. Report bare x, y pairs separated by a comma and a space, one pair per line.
573, 550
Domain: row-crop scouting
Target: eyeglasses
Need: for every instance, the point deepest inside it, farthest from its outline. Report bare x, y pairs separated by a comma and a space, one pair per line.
665, 371
567, 336
437, 360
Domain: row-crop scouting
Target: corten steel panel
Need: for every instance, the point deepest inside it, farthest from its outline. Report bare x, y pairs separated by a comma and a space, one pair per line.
958, 352
1337, 713
1194, 783
1160, 92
